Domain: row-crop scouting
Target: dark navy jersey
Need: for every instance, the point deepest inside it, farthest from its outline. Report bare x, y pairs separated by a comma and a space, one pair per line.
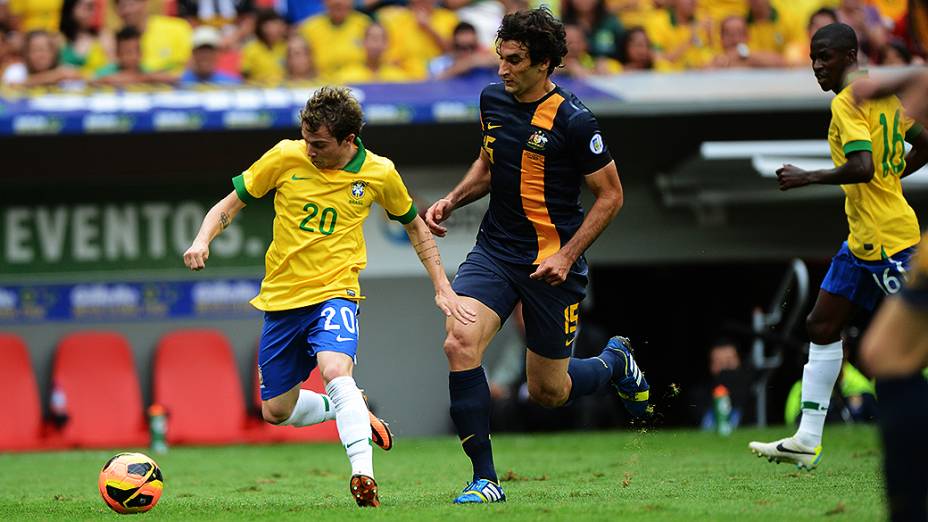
539, 153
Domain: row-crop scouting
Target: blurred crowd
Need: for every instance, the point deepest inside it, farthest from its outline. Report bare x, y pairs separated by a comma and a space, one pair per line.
117, 43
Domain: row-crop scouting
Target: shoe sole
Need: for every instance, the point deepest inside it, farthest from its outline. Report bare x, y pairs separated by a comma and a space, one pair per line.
799, 464
364, 491
381, 434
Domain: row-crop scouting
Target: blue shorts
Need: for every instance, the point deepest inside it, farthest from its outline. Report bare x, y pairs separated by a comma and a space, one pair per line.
864, 283
291, 339
551, 313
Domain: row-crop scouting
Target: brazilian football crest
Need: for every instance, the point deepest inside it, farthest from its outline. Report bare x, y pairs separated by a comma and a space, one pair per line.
357, 190
537, 140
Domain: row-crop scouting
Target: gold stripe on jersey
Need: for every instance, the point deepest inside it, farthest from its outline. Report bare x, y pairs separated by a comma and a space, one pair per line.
546, 111
532, 185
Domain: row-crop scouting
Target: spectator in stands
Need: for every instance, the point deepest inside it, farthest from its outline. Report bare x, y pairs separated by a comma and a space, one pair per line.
333, 37
418, 33
737, 52
300, 66
637, 54
773, 31
894, 53
577, 62
35, 15
41, 64
684, 40
206, 42
798, 54
602, 29
467, 57
12, 69
235, 18
297, 11
84, 47
129, 67
725, 369
264, 58
868, 24
821, 18
374, 69
165, 40
637, 13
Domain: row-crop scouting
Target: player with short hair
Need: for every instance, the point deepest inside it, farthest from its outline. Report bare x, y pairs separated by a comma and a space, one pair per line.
867, 148
325, 186
895, 349
540, 144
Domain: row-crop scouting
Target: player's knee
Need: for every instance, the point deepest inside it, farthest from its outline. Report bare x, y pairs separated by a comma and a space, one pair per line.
275, 413
459, 351
333, 371
547, 394
822, 331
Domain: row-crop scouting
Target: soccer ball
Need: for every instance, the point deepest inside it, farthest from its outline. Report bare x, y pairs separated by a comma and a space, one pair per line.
130, 483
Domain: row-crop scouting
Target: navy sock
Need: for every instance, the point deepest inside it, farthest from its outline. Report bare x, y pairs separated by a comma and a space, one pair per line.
470, 411
588, 376
903, 421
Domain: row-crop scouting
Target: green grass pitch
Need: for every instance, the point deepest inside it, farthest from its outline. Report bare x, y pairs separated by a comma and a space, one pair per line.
625, 475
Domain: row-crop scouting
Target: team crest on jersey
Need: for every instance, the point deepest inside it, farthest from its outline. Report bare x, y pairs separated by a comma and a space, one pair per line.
537, 140
357, 190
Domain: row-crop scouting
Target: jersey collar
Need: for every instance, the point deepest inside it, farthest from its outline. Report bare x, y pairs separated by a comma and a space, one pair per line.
354, 166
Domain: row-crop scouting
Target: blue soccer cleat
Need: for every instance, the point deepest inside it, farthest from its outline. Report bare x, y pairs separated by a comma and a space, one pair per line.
627, 379
481, 491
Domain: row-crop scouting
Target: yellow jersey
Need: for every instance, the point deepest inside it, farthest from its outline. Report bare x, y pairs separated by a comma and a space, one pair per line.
360, 73
318, 248
412, 46
263, 64
166, 44
335, 46
37, 15
880, 220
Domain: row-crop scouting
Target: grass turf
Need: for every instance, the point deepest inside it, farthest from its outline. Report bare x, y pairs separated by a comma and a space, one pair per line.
657, 475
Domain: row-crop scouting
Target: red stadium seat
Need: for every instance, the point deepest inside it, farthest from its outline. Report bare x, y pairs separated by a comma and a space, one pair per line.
21, 428
196, 380
95, 372
260, 431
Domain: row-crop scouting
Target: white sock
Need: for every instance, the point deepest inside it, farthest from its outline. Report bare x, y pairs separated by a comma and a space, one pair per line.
818, 380
354, 425
311, 408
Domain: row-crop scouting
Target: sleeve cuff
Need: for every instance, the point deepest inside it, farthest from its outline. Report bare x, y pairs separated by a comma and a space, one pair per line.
407, 217
857, 146
913, 132
239, 183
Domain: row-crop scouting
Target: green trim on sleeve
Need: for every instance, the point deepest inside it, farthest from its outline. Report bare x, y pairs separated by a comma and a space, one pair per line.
239, 183
407, 217
857, 146
913, 132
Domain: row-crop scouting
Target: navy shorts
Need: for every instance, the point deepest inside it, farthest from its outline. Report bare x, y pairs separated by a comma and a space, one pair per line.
864, 283
291, 339
551, 313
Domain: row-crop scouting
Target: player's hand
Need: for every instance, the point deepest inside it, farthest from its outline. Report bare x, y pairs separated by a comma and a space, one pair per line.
438, 212
451, 304
791, 176
554, 269
195, 257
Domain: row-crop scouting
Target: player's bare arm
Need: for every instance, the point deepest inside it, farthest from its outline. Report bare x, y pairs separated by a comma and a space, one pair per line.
918, 156
475, 185
607, 188
217, 219
910, 88
445, 298
858, 169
